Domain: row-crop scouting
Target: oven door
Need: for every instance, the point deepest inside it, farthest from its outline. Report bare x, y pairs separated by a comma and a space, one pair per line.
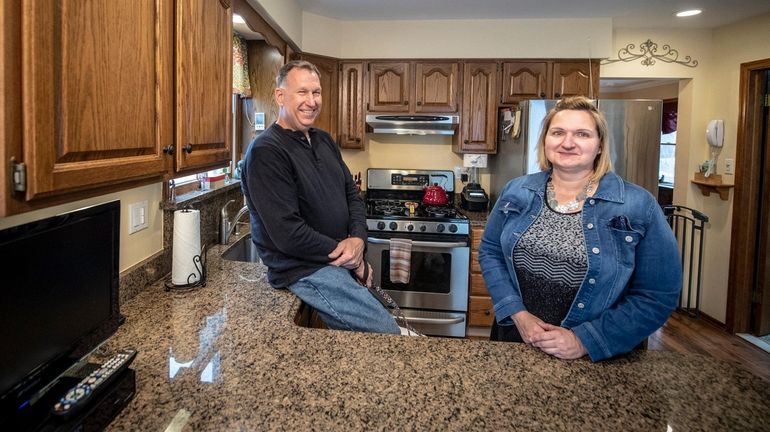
438, 274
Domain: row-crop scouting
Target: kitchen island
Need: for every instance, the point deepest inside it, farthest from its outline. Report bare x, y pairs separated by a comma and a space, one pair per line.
229, 356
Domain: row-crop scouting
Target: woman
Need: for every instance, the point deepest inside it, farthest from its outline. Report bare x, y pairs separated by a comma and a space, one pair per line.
577, 260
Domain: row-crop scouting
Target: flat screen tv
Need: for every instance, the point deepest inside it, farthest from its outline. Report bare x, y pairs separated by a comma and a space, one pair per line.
58, 301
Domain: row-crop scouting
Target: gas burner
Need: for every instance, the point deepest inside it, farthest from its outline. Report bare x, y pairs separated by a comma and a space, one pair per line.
389, 210
439, 211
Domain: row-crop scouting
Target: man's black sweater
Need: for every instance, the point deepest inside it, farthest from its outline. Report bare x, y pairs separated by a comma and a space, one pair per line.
302, 201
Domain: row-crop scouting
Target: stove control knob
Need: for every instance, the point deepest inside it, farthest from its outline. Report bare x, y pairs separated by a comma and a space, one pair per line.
380, 225
410, 227
393, 226
440, 228
453, 228
423, 228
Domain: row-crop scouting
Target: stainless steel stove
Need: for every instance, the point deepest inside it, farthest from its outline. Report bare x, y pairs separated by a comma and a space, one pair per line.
435, 300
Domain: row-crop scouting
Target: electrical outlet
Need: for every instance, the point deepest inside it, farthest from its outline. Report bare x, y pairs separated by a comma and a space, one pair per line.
138, 217
730, 166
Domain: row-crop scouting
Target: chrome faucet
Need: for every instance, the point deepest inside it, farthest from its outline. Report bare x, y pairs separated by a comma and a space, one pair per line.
226, 227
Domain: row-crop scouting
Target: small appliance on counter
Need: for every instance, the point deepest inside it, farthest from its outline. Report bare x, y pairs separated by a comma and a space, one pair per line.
473, 196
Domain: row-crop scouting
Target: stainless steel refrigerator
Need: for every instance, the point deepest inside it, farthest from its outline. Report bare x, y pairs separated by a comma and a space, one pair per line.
634, 124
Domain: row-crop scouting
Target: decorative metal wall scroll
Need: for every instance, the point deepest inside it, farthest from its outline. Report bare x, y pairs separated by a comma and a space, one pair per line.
649, 54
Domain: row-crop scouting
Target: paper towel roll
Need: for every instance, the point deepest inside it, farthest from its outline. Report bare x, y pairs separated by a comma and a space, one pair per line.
186, 245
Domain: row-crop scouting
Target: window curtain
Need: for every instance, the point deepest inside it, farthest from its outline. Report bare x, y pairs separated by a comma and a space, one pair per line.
241, 84
669, 116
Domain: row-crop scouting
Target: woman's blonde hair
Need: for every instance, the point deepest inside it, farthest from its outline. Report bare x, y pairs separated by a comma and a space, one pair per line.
603, 161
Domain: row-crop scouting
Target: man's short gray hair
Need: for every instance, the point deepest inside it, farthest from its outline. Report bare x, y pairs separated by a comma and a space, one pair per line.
280, 79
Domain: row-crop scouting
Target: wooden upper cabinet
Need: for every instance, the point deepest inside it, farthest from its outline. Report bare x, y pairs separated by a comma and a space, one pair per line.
97, 97
351, 103
479, 109
575, 78
329, 70
203, 84
413, 87
524, 80
436, 87
389, 84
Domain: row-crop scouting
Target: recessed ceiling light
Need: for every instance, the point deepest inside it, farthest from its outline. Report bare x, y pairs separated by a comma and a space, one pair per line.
687, 13
237, 19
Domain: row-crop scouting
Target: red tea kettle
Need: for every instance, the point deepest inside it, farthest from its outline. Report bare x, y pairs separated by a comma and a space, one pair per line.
434, 195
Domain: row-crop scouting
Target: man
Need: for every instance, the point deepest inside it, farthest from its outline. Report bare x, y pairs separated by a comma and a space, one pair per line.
307, 219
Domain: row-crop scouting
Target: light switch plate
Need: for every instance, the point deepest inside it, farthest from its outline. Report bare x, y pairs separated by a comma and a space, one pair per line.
138, 217
730, 166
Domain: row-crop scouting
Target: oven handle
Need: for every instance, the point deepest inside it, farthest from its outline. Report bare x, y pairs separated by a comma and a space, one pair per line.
443, 245
455, 320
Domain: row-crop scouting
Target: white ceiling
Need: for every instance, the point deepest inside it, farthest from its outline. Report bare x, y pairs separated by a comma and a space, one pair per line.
624, 13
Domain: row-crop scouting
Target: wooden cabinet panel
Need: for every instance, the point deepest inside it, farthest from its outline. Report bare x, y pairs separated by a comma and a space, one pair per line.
203, 84
97, 98
575, 78
479, 118
480, 311
524, 80
329, 69
389, 84
476, 234
351, 123
478, 287
436, 87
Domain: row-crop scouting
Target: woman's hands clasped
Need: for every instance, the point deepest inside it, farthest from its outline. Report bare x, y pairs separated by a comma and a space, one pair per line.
554, 340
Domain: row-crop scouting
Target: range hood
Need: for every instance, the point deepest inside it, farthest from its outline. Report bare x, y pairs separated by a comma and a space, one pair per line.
429, 124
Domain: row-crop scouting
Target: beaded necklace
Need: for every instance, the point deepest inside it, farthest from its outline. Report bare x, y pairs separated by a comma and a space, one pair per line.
569, 206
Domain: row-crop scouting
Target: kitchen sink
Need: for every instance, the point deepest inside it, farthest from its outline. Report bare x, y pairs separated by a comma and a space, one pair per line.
242, 250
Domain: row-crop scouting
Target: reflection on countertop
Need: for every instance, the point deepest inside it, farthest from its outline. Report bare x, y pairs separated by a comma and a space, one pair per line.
228, 356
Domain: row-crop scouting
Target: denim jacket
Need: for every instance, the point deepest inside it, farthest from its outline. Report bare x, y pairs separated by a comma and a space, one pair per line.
634, 273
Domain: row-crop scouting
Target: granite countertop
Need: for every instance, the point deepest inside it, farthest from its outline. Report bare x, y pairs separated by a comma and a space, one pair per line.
229, 357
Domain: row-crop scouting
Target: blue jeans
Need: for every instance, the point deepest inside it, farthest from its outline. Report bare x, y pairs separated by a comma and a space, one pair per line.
342, 303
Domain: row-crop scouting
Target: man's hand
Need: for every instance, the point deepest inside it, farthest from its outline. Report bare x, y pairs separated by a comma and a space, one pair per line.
528, 325
349, 253
559, 342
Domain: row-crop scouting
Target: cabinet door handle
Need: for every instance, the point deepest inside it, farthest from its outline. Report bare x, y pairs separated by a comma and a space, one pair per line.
169, 150
419, 103
465, 142
187, 148
542, 94
486, 312
557, 94
406, 102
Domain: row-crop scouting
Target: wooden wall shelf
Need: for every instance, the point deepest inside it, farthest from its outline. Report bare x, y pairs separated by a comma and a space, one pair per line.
712, 183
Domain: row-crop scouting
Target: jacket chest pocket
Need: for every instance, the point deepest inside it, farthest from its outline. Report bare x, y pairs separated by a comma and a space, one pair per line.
625, 237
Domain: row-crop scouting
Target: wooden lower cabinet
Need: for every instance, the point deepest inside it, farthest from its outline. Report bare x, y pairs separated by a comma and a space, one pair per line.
480, 312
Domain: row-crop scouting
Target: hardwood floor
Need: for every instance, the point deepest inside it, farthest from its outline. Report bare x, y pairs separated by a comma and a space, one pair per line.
684, 334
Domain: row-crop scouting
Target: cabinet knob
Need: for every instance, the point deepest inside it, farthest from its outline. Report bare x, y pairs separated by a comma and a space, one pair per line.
542, 94
419, 103
406, 102
187, 148
169, 150
486, 312
465, 142
557, 95
358, 139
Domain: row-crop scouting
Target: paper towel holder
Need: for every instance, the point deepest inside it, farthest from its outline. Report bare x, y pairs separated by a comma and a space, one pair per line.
197, 278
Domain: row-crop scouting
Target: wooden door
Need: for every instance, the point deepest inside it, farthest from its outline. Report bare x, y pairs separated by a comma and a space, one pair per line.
436, 87
761, 291
351, 101
96, 89
203, 84
329, 69
389, 84
575, 78
524, 80
479, 118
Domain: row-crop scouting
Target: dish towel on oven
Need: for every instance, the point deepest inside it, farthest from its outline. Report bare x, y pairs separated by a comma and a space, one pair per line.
400, 260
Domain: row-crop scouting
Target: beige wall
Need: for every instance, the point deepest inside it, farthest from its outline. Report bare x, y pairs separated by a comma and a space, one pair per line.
512, 38
135, 247
665, 91
284, 15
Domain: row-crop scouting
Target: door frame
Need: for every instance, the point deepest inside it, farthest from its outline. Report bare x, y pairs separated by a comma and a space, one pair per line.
744, 231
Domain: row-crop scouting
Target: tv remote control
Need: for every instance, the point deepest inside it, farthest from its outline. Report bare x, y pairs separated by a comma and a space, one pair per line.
97, 380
